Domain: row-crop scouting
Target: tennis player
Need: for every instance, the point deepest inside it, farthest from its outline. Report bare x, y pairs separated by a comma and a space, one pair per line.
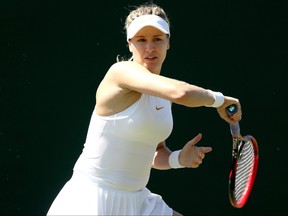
129, 125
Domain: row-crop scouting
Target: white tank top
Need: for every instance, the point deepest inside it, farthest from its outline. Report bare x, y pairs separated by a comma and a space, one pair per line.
119, 149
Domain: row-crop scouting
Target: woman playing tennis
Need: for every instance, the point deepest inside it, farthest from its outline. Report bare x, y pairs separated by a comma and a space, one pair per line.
129, 125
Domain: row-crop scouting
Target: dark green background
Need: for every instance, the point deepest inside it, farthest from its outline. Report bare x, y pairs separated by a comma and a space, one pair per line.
54, 54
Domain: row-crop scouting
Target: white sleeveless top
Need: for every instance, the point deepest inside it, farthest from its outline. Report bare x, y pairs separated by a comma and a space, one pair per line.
119, 149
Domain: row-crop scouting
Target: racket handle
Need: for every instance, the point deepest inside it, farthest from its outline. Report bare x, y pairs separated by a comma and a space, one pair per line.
234, 128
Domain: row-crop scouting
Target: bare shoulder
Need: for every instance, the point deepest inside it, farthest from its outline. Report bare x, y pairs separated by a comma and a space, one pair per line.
111, 96
114, 77
126, 67
117, 71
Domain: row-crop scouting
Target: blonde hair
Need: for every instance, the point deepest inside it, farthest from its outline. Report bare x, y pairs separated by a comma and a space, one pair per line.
144, 9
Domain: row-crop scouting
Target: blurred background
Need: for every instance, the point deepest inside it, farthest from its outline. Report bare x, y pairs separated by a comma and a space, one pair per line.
53, 55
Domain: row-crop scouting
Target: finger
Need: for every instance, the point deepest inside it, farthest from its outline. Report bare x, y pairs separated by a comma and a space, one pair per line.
194, 165
205, 150
229, 119
223, 114
195, 140
237, 116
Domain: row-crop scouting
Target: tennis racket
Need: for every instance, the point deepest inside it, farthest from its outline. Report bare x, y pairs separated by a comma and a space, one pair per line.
245, 157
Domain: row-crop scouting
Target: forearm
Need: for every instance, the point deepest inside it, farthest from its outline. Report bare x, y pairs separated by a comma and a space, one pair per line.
193, 96
161, 157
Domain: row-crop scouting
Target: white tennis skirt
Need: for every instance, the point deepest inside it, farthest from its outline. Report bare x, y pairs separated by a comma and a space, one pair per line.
82, 196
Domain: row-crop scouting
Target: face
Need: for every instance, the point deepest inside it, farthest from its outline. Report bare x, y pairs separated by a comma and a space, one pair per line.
149, 48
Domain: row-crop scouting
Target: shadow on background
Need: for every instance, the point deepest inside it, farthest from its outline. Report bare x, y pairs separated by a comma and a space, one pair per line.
54, 54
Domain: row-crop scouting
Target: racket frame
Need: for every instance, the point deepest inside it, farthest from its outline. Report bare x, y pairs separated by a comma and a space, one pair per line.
238, 144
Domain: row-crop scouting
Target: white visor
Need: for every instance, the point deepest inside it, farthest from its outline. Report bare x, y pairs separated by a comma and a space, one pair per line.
147, 20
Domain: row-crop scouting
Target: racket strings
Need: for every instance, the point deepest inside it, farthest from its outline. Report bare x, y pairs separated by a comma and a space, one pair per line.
245, 165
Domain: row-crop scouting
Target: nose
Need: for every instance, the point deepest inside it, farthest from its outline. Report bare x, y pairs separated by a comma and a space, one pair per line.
150, 47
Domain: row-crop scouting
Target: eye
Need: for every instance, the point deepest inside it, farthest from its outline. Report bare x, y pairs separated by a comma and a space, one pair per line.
157, 39
140, 40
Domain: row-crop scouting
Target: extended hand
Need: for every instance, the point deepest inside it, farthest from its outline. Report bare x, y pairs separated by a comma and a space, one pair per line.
191, 156
223, 113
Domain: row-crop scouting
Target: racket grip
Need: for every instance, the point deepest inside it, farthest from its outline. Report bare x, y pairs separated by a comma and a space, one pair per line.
234, 128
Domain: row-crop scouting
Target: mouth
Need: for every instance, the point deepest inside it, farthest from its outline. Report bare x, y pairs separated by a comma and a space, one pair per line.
150, 58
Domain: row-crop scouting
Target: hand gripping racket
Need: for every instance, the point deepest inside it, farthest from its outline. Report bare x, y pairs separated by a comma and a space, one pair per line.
245, 158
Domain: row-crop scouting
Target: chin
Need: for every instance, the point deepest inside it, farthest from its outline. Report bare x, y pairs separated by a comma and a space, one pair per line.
154, 68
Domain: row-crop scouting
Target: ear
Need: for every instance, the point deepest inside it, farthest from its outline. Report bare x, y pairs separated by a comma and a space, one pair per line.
168, 45
129, 45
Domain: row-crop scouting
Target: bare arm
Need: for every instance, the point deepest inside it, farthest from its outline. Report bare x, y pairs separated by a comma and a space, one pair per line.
127, 76
161, 157
191, 156
132, 76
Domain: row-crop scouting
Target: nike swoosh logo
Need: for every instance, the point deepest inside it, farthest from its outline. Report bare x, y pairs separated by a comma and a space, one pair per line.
159, 108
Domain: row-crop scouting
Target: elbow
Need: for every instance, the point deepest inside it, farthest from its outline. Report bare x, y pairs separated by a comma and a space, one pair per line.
188, 95
180, 95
